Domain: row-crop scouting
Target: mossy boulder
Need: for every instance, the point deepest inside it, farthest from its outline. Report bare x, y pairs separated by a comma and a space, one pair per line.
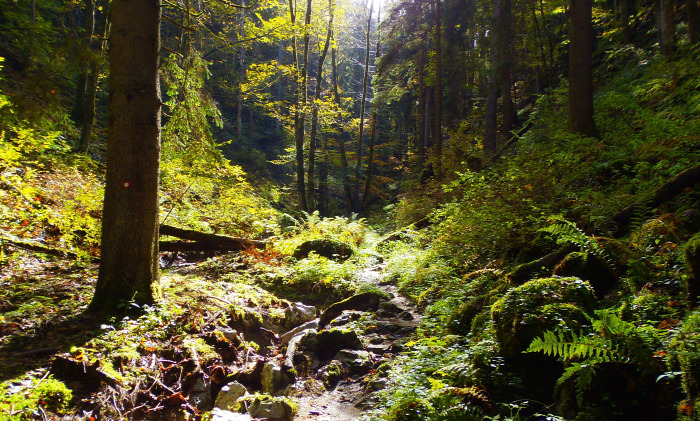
543, 244
330, 249
529, 310
692, 259
684, 351
366, 301
329, 342
589, 268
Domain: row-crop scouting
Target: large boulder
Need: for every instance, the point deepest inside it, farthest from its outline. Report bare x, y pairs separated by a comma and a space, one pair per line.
275, 380
357, 362
589, 268
329, 342
366, 301
331, 249
229, 394
529, 310
298, 313
272, 409
218, 414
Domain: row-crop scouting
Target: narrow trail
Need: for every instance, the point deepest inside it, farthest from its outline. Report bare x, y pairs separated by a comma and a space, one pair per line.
395, 321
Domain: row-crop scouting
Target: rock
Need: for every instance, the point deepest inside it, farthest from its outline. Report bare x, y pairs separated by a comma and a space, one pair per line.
331, 373
303, 340
527, 311
272, 409
389, 308
231, 335
275, 381
331, 249
298, 313
358, 362
377, 384
286, 337
229, 394
589, 268
200, 395
379, 349
345, 318
366, 301
329, 342
218, 414
405, 315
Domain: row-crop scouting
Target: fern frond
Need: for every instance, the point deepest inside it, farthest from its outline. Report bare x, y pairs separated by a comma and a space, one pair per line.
598, 349
582, 372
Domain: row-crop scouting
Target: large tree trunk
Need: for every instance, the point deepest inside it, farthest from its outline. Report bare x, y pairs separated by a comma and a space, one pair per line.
340, 137
693, 20
314, 112
299, 119
438, 88
365, 80
580, 69
666, 27
490, 135
78, 112
373, 133
129, 260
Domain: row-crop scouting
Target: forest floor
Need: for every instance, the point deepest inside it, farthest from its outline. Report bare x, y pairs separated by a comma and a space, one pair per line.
42, 320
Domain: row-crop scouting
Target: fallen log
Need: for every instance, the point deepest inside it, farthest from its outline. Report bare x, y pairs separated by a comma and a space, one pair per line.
200, 241
35, 247
685, 179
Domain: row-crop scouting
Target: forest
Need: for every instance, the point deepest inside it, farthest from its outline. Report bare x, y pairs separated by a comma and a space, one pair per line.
340, 210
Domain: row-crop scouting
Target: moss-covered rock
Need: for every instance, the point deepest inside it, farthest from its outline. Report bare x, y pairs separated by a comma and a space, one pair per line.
329, 342
366, 301
692, 259
543, 244
331, 249
684, 352
525, 312
589, 268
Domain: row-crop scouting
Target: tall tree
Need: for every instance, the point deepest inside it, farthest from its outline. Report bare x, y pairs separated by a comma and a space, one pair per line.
314, 111
129, 257
300, 96
340, 135
365, 81
580, 69
666, 27
373, 130
438, 86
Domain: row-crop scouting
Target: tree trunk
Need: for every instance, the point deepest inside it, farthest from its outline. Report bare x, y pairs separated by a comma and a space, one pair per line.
666, 27
693, 20
314, 112
438, 88
506, 76
241, 75
365, 80
323, 180
490, 141
202, 240
129, 260
580, 69
299, 119
373, 133
93, 82
78, 112
340, 137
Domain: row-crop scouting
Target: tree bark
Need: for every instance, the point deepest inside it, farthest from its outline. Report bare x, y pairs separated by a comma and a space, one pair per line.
693, 20
314, 113
373, 133
666, 27
340, 137
438, 88
129, 260
490, 140
365, 80
78, 112
299, 118
580, 118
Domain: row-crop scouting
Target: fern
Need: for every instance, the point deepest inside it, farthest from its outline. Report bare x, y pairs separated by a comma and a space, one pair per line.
597, 349
615, 340
567, 233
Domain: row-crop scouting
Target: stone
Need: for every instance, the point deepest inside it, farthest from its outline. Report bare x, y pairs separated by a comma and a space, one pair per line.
298, 313
379, 349
389, 308
329, 342
275, 381
301, 341
345, 318
331, 373
366, 301
358, 362
286, 337
229, 394
218, 414
200, 395
405, 315
331, 249
271, 409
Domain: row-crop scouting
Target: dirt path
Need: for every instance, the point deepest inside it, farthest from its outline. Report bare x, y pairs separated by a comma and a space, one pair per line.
344, 402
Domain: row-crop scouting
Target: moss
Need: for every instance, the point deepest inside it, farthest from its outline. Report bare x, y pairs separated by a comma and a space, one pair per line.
691, 252
650, 307
543, 304
684, 352
589, 268
542, 244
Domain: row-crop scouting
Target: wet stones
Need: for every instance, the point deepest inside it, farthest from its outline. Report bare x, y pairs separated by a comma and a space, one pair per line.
366, 301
